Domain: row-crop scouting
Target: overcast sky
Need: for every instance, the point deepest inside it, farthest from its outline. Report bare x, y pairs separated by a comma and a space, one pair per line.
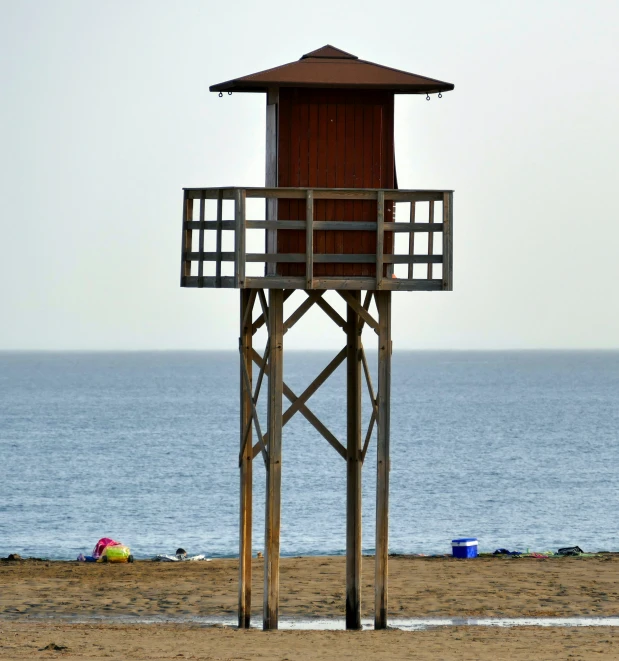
105, 116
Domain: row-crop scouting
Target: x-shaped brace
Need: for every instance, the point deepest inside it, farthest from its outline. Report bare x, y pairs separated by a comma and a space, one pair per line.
298, 403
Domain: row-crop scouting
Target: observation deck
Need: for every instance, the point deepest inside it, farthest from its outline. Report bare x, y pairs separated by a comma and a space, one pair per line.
230, 239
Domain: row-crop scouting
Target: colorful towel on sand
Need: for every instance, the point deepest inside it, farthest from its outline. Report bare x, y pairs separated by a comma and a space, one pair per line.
179, 558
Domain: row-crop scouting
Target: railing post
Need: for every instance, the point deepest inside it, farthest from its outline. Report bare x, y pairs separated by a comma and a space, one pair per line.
430, 237
220, 203
411, 241
201, 243
448, 241
239, 238
186, 239
380, 237
309, 240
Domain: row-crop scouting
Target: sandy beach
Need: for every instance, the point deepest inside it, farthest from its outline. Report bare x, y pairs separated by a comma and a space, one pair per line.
89, 610
100, 641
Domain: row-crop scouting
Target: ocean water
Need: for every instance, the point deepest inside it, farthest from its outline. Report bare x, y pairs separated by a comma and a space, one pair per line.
519, 449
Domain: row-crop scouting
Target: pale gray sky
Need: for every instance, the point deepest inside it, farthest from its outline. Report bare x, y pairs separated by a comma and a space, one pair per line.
106, 115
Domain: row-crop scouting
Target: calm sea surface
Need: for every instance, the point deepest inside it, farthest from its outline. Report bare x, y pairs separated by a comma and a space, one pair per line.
519, 449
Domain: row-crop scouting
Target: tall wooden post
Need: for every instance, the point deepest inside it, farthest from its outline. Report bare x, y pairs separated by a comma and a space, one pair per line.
274, 465
245, 463
353, 468
383, 302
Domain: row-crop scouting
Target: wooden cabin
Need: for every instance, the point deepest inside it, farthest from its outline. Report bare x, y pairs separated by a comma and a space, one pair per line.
330, 151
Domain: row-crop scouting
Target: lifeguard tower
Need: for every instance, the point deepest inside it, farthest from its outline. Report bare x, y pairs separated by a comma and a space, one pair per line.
330, 224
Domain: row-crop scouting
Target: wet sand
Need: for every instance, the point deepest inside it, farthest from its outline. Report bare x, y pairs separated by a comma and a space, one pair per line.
40, 603
18, 641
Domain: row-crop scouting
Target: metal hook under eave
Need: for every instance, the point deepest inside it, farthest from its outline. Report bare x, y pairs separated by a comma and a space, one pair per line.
440, 96
428, 96
221, 94
229, 93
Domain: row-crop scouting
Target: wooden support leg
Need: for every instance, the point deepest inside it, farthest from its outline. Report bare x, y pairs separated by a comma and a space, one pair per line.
353, 468
274, 465
383, 302
245, 465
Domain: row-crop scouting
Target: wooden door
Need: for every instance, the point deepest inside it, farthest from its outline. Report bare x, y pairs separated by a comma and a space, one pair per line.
334, 139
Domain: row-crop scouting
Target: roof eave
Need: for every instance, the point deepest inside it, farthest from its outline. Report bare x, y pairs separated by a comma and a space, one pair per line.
263, 86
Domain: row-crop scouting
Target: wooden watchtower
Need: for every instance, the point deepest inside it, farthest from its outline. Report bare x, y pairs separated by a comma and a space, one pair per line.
330, 223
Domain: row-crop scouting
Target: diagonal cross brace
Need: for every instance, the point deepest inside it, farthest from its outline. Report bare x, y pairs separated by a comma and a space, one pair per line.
330, 312
359, 309
261, 319
250, 307
315, 422
267, 351
254, 414
374, 417
368, 435
264, 306
312, 297
366, 304
368, 380
314, 385
307, 414
255, 399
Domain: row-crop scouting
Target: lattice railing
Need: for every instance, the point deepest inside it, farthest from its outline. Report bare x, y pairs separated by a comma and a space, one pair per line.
421, 257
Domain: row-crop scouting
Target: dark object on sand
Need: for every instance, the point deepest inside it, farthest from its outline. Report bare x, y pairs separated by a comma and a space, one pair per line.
14, 556
54, 647
181, 552
506, 552
570, 550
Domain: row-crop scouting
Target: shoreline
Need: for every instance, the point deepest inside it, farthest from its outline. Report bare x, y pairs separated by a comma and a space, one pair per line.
366, 555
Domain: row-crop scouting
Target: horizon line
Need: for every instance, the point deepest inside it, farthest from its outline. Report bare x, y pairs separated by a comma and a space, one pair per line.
326, 350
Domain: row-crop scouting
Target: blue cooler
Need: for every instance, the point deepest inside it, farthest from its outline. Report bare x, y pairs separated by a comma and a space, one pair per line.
464, 548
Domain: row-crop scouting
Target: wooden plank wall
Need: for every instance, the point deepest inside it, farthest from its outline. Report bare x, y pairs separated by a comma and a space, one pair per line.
334, 139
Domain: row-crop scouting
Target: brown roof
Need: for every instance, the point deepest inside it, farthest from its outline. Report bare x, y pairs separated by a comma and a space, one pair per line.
331, 67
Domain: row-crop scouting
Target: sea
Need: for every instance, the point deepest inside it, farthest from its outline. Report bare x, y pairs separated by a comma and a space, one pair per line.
518, 449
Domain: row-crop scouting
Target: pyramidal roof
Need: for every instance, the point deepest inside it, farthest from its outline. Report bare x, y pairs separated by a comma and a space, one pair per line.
331, 67
330, 51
